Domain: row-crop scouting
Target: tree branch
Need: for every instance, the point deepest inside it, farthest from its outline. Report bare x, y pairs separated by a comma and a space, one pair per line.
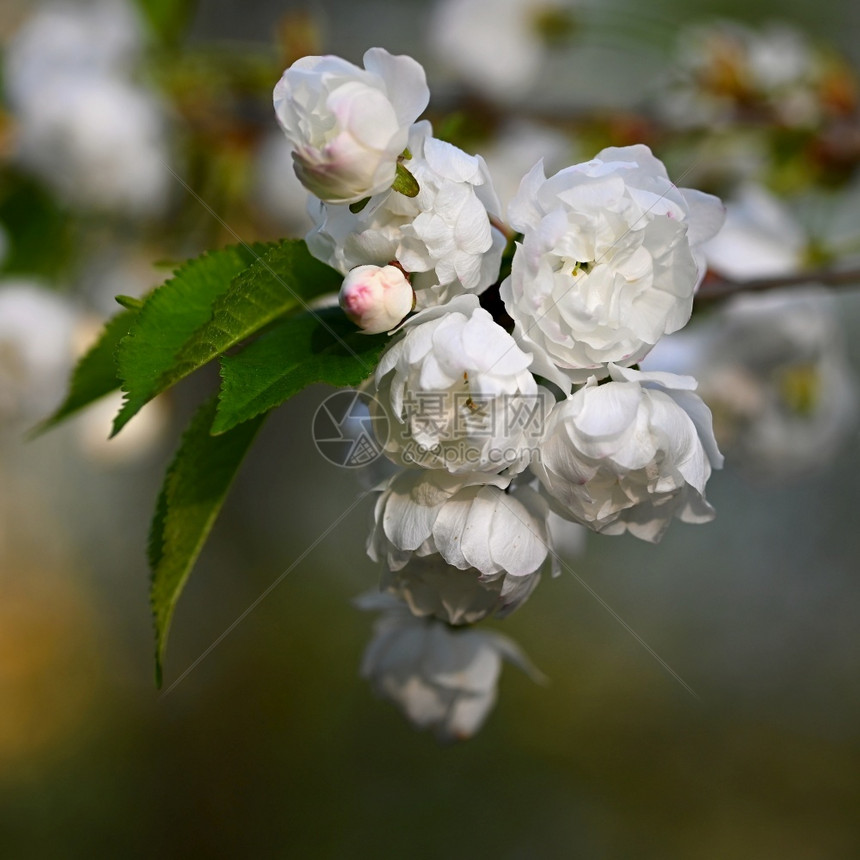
719, 289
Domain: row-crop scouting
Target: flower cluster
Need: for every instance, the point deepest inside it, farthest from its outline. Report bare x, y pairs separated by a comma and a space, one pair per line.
497, 421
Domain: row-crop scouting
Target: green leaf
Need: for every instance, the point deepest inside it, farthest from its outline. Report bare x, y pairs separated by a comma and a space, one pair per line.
194, 490
170, 315
298, 351
283, 280
356, 207
95, 374
280, 280
405, 182
129, 302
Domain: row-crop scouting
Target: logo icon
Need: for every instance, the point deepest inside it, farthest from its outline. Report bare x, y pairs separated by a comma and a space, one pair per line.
350, 429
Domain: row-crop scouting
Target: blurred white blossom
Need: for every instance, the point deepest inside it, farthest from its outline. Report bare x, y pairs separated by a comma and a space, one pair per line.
98, 142
71, 40
760, 238
37, 337
442, 679
516, 148
84, 127
497, 47
766, 236
773, 368
567, 539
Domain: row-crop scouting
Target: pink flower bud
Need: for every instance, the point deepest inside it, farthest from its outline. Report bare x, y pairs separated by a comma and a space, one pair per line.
376, 298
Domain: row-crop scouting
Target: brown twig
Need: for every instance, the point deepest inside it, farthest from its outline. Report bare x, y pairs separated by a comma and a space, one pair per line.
722, 288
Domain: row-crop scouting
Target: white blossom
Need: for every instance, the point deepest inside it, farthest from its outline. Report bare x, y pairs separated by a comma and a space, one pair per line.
609, 261
759, 239
442, 237
71, 40
496, 46
431, 587
457, 393
98, 139
376, 298
37, 340
441, 679
630, 454
99, 142
348, 125
471, 520
516, 147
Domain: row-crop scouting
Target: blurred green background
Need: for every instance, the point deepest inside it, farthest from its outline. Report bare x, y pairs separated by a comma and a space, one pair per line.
273, 747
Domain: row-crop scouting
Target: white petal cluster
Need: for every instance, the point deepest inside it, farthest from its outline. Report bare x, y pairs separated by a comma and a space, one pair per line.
98, 138
630, 454
443, 237
443, 680
458, 393
609, 259
348, 125
473, 521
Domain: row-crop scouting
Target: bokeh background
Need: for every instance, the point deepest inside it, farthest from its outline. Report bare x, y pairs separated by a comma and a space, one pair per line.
272, 746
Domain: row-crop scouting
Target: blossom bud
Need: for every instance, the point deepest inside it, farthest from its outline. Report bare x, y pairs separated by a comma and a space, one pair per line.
376, 298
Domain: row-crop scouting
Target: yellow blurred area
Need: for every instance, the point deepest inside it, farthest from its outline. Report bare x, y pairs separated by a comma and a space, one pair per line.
49, 662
